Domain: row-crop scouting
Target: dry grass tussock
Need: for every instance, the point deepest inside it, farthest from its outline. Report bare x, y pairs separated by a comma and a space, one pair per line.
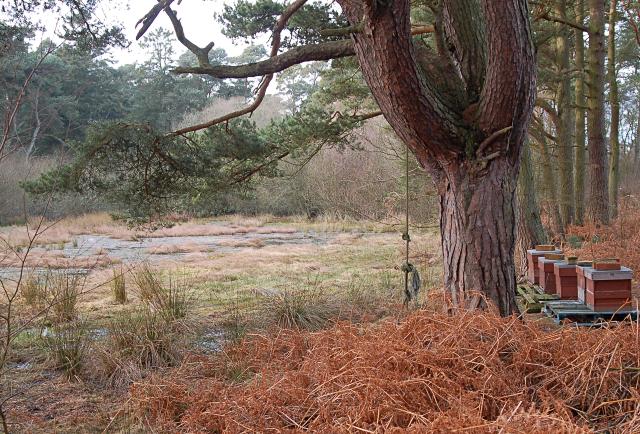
471, 372
171, 249
252, 243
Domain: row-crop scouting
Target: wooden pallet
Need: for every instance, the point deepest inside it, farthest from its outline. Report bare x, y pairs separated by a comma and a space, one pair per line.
532, 299
581, 315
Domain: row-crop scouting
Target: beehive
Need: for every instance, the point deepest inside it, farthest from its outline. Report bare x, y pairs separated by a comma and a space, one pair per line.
566, 278
580, 279
546, 271
606, 264
605, 290
533, 273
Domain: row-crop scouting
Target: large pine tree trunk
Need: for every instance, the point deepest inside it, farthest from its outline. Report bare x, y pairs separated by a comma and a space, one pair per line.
477, 223
463, 109
598, 205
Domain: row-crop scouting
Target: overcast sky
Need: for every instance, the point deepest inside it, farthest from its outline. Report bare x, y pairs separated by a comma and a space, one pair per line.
197, 18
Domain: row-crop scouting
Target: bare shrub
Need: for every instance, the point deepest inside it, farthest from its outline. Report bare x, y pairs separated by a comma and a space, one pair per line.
13, 202
366, 181
271, 108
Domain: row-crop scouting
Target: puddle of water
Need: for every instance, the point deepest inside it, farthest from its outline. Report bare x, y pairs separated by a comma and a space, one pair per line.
20, 366
212, 341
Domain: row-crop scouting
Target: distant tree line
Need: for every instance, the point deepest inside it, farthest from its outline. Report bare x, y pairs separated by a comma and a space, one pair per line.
75, 88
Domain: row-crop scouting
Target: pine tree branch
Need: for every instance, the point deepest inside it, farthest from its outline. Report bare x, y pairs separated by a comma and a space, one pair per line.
295, 56
305, 53
264, 85
151, 16
566, 22
202, 54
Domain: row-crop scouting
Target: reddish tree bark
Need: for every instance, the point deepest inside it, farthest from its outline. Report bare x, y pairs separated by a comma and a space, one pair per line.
464, 112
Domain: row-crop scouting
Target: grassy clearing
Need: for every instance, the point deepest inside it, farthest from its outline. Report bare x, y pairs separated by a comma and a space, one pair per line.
172, 307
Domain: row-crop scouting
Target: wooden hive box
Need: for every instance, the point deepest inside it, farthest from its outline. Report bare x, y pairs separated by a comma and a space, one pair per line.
581, 283
566, 280
533, 273
607, 290
546, 273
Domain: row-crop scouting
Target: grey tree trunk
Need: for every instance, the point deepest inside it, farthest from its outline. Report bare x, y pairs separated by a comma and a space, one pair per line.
550, 188
566, 122
598, 204
614, 164
530, 230
636, 148
580, 102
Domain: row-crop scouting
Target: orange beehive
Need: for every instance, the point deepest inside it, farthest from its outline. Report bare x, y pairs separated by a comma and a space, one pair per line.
606, 264
533, 274
566, 280
605, 290
546, 272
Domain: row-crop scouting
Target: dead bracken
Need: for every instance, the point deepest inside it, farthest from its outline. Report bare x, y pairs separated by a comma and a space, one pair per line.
469, 372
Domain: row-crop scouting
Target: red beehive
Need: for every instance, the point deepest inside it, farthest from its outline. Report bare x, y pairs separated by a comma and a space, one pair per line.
546, 272
605, 290
533, 273
566, 280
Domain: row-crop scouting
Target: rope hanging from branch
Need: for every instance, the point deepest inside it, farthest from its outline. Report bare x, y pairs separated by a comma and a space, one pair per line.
410, 291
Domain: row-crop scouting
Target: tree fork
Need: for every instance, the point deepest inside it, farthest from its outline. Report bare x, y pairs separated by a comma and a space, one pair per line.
477, 194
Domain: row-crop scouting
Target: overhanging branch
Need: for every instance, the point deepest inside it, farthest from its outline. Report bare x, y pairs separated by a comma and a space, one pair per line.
240, 177
297, 55
202, 54
262, 90
566, 22
305, 53
151, 16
